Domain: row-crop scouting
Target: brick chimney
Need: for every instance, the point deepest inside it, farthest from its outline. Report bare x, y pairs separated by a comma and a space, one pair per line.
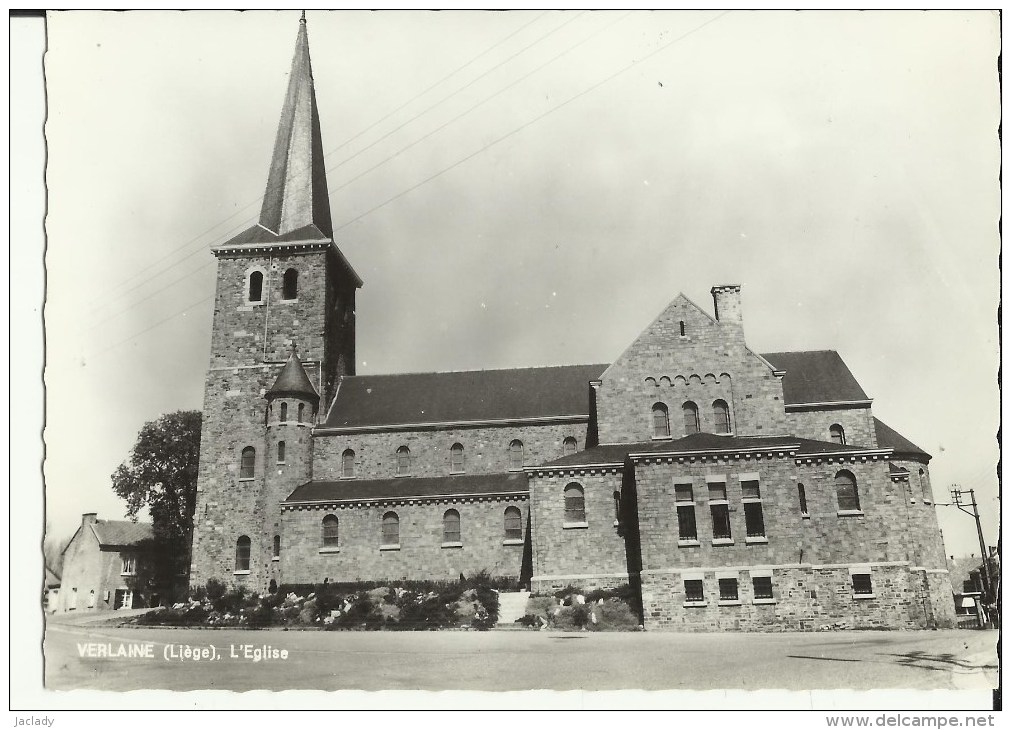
727, 303
89, 518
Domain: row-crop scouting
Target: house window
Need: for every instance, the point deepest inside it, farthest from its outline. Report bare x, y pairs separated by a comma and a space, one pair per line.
280, 452
456, 459
575, 504
721, 416
247, 466
391, 529
682, 327
762, 586
277, 546
568, 446
284, 412
661, 421
728, 589
802, 496
836, 433
846, 492
691, 414
301, 411
129, 565
348, 464
754, 519
516, 454
513, 523
862, 584
928, 495
403, 461
242, 555
91, 599
255, 291
451, 527
330, 531
693, 591
617, 506
685, 501
289, 285
719, 508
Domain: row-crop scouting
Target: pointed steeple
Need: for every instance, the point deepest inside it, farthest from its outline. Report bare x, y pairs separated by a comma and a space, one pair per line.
296, 194
292, 381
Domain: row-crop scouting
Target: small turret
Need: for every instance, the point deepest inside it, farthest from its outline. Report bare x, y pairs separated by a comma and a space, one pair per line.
293, 381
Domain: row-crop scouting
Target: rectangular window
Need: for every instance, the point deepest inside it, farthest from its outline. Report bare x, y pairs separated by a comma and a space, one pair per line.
693, 591
129, 565
687, 530
862, 584
721, 521
750, 489
754, 520
728, 589
717, 491
762, 586
802, 495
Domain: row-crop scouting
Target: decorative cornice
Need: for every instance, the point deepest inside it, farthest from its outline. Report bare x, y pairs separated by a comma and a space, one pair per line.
445, 425
269, 247
832, 405
845, 456
778, 452
405, 500
573, 469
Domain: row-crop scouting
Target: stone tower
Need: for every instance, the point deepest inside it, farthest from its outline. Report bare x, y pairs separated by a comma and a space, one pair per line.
281, 281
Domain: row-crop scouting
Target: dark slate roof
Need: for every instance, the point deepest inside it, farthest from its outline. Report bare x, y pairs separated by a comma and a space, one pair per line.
401, 487
293, 381
896, 469
476, 395
889, 438
815, 376
122, 532
258, 234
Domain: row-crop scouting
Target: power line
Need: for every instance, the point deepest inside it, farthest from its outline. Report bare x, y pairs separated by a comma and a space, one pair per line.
156, 324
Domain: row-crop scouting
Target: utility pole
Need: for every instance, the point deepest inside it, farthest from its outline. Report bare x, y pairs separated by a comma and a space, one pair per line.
957, 501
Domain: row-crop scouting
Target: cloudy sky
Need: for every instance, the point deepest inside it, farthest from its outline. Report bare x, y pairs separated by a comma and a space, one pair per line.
531, 188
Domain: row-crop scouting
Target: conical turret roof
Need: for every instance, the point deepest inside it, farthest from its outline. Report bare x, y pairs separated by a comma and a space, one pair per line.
293, 381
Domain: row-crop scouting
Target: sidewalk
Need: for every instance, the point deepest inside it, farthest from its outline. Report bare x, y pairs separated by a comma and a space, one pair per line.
75, 618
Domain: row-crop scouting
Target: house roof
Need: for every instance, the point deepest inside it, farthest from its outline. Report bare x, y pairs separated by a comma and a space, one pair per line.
815, 376
121, 533
889, 438
475, 395
404, 487
293, 381
52, 580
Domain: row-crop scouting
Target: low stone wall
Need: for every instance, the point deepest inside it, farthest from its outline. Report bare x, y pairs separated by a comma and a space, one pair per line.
550, 584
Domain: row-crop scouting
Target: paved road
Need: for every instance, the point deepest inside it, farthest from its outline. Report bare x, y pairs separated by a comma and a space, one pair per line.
521, 660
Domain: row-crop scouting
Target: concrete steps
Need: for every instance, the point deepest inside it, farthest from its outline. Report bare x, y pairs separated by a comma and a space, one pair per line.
511, 606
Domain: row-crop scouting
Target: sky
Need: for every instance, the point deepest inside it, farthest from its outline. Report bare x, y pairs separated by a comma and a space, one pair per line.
532, 188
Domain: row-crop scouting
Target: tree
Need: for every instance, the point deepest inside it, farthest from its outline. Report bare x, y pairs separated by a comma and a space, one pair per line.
52, 550
161, 474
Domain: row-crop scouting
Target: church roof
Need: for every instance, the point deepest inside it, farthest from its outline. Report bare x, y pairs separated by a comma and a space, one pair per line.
475, 395
293, 381
121, 533
408, 487
889, 438
815, 376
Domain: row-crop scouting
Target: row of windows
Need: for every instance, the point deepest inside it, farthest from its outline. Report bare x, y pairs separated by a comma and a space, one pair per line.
761, 587
690, 415
282, 412
456, 458
254, 286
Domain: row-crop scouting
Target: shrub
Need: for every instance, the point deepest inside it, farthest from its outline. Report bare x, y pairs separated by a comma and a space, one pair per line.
540, 605
612, 615
576, 616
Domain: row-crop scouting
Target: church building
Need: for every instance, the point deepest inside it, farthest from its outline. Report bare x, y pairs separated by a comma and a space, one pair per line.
734, 490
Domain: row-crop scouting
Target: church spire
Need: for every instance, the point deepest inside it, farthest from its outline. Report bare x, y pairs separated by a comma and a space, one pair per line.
296, 194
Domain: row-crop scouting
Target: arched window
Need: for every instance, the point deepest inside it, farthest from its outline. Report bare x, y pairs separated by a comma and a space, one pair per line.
247, 467
846, 491
456, 459
513, 523
616, 496
451, 526
691, 414
661, 422
569, 446
242, 554
928, 494
255, 292
330, 531
289, 285
391, 529
280, 452
284, 412
575, 505
277, 546
721, 416
348, 464
516, 454
403, 461
301, 411
836, 433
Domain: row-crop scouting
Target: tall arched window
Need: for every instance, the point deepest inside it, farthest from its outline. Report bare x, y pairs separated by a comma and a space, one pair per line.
661, 422
925, 490
255, 292
846, 491
836, 433
348, 464
283, 415
575, 505
569, 446
301, 411
456, 459
330, 531
451, 526
721, 416
280, 452
247, 467
289, 285
513, 523
277, 546
242, 554
516, 454
691, 414
391, 529
403, 461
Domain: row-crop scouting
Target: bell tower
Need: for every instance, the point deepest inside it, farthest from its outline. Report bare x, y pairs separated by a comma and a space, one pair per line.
283, 280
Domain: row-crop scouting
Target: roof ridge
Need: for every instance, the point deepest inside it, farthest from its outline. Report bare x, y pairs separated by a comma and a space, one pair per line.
797, 352
478, 370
